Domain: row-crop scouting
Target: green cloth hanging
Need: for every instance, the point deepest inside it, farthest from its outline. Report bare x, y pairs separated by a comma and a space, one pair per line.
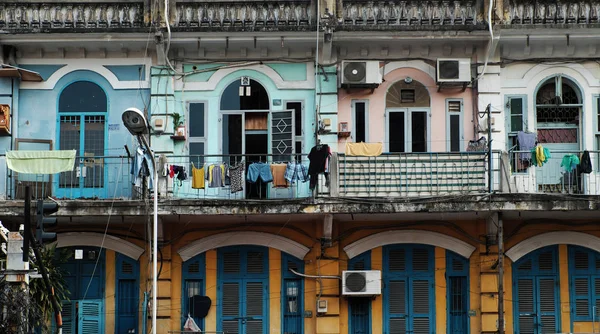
41, 162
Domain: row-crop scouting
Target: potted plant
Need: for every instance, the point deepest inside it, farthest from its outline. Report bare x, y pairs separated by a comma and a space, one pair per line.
178, 125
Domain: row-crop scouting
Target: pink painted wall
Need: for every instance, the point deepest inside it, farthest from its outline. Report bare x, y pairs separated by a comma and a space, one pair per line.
376, 111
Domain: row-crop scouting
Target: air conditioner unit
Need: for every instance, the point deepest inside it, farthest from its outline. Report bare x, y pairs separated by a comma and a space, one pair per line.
361, 283
361, 73
454, 70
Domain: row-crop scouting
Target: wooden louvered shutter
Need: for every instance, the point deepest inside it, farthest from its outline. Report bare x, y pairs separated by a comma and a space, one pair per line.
548, 307
420, 306
254, 302
231, 307
231, 263
256, 263
90, 313
397, 260
68, 317
582, 285
526, 306
397, 306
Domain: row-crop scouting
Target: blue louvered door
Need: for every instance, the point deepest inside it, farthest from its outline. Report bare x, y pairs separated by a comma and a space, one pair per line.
90, 317
537, 293
408, 290
68, 317
127, 296
243, 290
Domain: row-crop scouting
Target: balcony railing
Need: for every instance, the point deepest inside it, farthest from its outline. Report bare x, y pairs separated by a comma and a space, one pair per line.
390, 175
553, 176
412, 174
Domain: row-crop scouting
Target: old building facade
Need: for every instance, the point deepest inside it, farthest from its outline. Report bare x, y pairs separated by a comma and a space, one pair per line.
253, 86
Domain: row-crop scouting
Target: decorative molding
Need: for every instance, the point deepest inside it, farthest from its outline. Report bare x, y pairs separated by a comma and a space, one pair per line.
416, 64
243, 238
88, 64
410, 13
409, 237
552, 238
254, 15
97, 240
277, 80
548, 12
60, 15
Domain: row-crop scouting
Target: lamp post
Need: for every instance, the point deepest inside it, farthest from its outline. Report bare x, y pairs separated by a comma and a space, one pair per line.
135, 121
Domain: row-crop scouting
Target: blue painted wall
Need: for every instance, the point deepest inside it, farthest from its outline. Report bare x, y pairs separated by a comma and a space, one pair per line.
37, 119
6, 97
167, 100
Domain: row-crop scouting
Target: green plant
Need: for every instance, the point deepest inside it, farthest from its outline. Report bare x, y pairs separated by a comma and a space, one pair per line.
177, 120
52, 258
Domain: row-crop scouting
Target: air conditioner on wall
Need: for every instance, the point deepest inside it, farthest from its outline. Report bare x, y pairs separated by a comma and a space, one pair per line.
361, 283
361, 72
454, 70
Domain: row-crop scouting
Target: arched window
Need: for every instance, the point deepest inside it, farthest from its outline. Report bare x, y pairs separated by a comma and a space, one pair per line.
82, 96
558, 114
245, 94
584, 276
407, 124
82, 109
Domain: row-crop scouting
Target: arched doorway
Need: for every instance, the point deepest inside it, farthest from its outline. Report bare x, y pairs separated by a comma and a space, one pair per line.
252, 132
536, 292
558, 106
82, 110
407, 125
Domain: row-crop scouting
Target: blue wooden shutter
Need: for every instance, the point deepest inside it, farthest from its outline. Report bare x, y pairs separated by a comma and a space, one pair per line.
526, 320
68, 317
231, 307
193, 285
457, 272
397, 306
360, 308
254, 302
90, 317
548, 305
282, 134
292, 295
127, 294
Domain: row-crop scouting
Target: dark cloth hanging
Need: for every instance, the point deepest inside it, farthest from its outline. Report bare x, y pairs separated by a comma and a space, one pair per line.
318, 156
585, 165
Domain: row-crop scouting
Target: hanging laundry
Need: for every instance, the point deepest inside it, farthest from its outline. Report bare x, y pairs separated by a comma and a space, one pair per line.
540, 155
526, 142
236, 175
217, 176
585, 165
569, 162
318, 157
364, 149
278, 171
197, 177
296, 171
259, 170
142, 167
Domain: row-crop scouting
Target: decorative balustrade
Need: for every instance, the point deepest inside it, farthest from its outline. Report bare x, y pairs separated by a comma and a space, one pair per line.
413, 13
59, 15
559, 12
243, 14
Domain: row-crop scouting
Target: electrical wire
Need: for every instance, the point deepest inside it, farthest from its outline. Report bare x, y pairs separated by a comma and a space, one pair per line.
490, 45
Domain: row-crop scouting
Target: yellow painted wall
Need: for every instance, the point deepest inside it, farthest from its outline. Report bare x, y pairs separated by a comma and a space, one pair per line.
274, 290
508, 296
344, 309
110, 292
440, 290
377, 303
565, 310
474, 286
211, 290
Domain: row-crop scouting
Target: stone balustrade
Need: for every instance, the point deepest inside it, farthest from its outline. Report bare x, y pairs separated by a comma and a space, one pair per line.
559, 12
14, 16
247, 15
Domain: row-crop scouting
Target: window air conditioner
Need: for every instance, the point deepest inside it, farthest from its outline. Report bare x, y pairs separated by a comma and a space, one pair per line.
361, 283
454, 70
361, 73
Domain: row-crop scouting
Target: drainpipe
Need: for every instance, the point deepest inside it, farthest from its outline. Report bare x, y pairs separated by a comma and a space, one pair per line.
145, 313
500, 274
490, 164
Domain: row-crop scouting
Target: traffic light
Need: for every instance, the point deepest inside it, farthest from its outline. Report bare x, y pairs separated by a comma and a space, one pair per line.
43, 222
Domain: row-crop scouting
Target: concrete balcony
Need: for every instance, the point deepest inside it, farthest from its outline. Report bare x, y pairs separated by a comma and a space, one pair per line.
559, 12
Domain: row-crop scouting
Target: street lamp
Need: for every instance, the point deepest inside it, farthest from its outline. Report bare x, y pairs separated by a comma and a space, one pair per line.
135, 121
